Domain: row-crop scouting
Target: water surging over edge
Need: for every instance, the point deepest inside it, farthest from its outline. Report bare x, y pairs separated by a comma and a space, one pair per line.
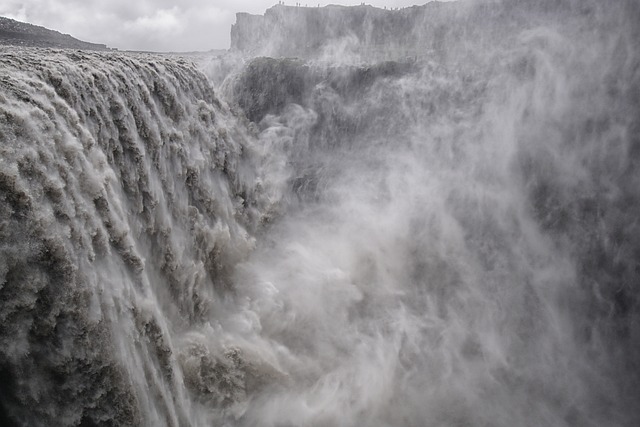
127, 192
453, 243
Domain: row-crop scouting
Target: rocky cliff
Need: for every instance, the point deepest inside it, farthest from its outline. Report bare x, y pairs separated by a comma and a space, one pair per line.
369, 33
372, 32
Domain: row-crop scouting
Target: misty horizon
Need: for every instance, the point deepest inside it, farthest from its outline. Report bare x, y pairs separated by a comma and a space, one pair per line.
193, 26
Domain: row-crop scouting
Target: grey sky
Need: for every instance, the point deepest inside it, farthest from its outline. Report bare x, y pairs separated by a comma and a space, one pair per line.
160, 25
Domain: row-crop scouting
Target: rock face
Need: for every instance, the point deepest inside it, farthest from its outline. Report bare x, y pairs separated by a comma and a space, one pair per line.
369, 33
296, 31
18, 33
306, 31
294, 81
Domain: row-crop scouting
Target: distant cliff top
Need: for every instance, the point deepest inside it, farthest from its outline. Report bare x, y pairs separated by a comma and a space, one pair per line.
311, 31
18, 33
372, 33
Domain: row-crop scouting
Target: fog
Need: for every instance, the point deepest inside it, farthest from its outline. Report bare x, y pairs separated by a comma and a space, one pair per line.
351, 237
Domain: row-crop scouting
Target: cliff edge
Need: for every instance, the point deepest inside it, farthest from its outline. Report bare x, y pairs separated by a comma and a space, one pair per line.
370, 31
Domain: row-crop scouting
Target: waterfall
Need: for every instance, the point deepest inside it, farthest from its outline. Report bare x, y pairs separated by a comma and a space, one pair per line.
449, 239
129, 192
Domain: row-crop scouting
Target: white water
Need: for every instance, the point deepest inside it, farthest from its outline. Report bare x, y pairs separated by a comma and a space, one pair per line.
450, 245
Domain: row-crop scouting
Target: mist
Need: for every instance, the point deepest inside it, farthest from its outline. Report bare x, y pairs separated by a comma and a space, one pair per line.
439, 230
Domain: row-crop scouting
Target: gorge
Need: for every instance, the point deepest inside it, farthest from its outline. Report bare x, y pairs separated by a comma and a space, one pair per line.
355, 217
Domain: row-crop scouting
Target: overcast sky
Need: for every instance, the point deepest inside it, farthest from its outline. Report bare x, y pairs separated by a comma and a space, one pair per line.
158, 25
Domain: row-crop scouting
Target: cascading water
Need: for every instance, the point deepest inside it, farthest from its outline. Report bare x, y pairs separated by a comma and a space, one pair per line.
127, 193
447, 240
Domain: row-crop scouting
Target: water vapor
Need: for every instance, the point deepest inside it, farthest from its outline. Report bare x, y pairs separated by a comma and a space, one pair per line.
442, 235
